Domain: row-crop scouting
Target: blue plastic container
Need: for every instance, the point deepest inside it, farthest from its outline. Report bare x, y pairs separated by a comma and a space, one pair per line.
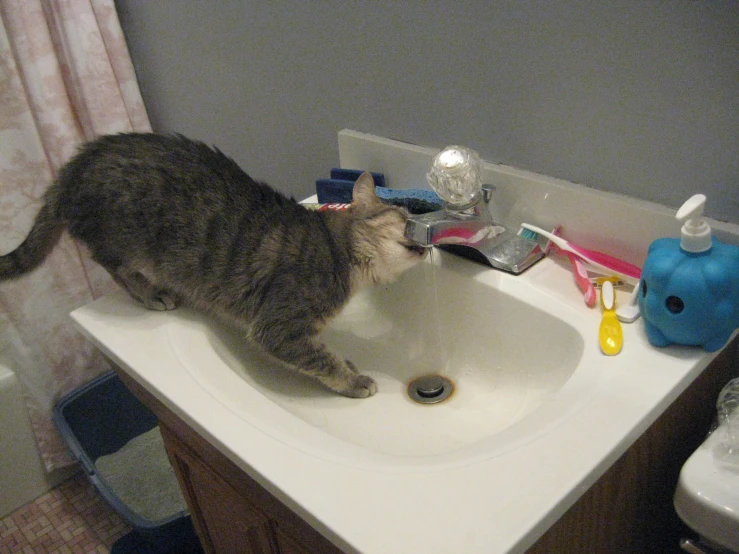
690, 286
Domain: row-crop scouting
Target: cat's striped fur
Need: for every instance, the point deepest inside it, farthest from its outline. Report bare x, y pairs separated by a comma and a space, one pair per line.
177, 222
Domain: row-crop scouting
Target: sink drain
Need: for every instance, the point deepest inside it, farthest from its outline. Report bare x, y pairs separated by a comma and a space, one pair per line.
430, 389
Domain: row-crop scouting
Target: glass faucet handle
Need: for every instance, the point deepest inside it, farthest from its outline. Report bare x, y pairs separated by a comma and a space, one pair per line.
456, 175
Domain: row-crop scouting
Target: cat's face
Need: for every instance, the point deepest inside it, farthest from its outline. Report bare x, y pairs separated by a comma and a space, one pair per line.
381, 246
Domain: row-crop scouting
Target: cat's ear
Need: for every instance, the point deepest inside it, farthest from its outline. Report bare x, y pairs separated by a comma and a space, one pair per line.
363, 195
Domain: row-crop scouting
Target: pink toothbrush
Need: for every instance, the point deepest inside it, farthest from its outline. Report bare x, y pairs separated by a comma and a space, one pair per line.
581, 278
608, 264
578, 269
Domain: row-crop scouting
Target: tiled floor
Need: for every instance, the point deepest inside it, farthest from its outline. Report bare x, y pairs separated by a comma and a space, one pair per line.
70, 519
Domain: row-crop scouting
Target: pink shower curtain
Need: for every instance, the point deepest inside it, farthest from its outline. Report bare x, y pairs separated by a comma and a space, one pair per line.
65, 78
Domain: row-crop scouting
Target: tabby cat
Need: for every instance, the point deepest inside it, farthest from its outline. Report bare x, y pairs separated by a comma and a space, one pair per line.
177, 222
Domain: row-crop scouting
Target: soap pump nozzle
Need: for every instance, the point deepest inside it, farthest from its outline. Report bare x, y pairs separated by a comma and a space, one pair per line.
695, 233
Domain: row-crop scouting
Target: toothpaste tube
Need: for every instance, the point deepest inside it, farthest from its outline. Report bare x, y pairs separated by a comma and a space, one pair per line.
333, 207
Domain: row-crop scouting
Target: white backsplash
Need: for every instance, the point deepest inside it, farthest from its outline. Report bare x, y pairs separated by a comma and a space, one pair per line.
615, 224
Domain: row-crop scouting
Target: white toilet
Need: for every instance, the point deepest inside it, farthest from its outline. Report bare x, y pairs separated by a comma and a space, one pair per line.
707, 497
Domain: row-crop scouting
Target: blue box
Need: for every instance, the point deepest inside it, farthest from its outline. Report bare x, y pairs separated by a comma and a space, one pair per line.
99, 419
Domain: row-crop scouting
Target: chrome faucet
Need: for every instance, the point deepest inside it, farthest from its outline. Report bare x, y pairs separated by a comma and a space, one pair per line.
465, 226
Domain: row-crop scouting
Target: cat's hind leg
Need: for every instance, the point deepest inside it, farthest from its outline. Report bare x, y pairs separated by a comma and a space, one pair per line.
142, 289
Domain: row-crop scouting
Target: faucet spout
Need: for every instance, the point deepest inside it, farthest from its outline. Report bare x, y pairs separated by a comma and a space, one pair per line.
471, 232
450, 227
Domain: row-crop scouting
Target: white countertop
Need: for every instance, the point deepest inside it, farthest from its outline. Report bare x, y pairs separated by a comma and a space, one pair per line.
502, 503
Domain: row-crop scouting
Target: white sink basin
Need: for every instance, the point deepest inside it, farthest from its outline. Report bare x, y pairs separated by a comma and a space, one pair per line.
516, 369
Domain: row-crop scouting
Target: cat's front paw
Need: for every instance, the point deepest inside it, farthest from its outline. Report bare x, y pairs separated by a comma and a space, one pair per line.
361, 386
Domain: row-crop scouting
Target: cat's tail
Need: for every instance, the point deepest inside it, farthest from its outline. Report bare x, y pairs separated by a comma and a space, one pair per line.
45, 233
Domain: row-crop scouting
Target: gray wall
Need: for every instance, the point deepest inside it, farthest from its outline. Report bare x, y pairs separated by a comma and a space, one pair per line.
631, 96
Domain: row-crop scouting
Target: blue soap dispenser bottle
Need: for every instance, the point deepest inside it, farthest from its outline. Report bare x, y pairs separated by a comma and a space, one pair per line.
689, 290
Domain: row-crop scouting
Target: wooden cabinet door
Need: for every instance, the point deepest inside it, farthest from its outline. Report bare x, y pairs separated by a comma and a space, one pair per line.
226, 522
287, 544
